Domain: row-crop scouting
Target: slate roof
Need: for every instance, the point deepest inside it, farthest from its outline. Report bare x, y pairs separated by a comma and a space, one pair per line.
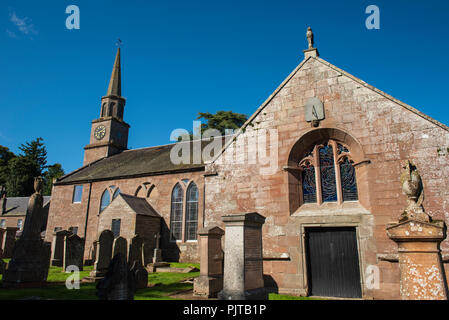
17, 206
139, 205
131, 163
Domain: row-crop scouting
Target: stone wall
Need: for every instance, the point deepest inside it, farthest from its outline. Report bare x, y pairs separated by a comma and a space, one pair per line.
382, 129
64, 213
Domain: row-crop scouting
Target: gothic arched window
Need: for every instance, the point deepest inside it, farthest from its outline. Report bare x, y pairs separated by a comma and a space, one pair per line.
177, 201
328, 174
105, 200
116, 193
191, 212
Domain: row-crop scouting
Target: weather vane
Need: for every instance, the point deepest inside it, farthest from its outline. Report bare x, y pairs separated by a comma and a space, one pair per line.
119, 43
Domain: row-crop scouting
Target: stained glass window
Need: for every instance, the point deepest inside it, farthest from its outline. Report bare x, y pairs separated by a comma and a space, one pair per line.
177, 200
348, 181
191, 212
341, 148
308, 184
327, 170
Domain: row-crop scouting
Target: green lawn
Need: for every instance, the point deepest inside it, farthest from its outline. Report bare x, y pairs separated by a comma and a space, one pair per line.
164, 284
161, 285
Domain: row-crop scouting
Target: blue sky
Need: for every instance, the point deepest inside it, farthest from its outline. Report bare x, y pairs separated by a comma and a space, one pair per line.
184, 57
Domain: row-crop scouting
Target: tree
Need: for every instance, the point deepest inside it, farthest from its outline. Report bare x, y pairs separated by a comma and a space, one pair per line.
222, 120
21, 173
53, 172
37, 153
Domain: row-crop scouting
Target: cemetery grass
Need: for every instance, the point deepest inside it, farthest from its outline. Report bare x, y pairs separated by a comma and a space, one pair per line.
161, 285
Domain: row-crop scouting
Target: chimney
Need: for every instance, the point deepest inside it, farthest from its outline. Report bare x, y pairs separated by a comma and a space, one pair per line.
3, 199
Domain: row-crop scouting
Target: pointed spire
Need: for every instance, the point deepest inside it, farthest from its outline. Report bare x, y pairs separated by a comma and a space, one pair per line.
115, 84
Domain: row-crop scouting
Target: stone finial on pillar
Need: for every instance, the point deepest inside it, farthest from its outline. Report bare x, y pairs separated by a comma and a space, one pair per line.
310, 51
418, 239
210, 281
243, 265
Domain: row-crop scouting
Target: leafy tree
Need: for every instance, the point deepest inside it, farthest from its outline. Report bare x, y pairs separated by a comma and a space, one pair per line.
222, 120
53, 171
22, 171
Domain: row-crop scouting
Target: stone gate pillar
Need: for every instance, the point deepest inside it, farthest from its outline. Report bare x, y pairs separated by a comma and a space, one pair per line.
420, 264
210, 281
243, 265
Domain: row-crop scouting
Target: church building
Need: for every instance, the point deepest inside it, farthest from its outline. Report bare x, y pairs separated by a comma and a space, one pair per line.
340, 148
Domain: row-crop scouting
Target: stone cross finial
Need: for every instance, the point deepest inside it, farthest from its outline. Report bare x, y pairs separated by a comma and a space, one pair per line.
310, 37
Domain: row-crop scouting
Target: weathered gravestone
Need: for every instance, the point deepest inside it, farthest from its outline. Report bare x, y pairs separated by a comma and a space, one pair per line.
135, 251
210, 281
103, 255
9, 241
57, 247
140, 275
120, 246
157, 256
118, 283
73, 251
31, 255
243, 265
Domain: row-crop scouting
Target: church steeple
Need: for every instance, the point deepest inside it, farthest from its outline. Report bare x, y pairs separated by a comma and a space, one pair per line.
115, 84
109, 133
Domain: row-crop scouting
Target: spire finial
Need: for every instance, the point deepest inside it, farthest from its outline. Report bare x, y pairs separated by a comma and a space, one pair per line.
115, 84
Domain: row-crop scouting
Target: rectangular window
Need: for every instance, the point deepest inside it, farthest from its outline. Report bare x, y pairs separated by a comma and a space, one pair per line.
19, 224
3, 223
77, 194
115, 228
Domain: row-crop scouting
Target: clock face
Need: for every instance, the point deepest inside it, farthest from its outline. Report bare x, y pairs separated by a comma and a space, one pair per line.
100, 132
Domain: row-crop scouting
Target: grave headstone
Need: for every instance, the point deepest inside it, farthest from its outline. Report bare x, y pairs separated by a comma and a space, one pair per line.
73, 251
31, 255
57, 247
104, 254
210, 281
120, 246
140, 275
243, 265
118, 283
135, 251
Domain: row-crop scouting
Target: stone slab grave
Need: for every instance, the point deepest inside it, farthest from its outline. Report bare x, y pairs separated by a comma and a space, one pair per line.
210, 281
119, 282
31, 255
135, 260
57, 247
243, 265
103, 256
73, 251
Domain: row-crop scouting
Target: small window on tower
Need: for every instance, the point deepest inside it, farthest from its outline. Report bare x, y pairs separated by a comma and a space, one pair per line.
77, 194
115, 228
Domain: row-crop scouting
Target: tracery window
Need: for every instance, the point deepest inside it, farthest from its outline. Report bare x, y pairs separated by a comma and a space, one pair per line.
184, 214
108, 195
328, 174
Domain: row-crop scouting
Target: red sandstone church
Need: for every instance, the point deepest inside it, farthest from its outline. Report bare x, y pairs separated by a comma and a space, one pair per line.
341, 147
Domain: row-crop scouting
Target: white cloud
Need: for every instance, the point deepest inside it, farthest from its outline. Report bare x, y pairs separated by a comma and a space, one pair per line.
24, 25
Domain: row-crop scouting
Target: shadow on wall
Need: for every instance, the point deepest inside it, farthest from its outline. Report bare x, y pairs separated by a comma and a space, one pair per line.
170, 250
269, 284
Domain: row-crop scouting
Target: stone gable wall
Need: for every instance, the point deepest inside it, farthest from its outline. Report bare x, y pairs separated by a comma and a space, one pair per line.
387, 134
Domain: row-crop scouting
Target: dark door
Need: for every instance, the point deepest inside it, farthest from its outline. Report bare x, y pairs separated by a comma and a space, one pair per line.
333, 262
